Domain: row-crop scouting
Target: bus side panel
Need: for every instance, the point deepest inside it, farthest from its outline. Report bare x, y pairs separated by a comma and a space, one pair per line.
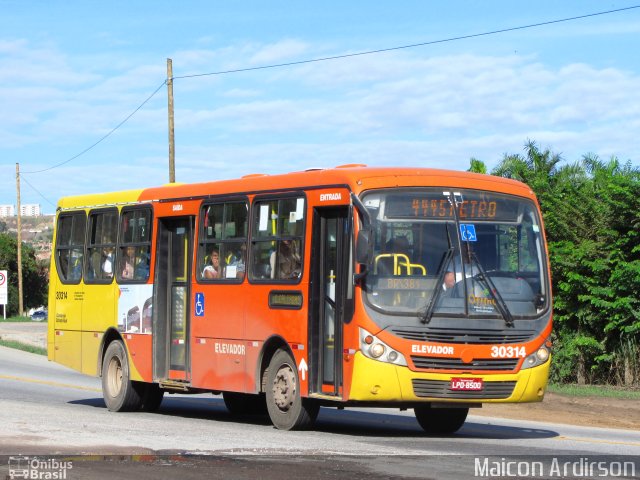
351, 345
98, 314
90, 347
219, 364
67, 322
67, 348
140, 348
254, 350
218, 348
267, 322
51, 307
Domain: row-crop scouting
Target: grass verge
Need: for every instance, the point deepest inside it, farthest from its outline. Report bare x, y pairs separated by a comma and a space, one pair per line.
16, 319
23, 346
594, 391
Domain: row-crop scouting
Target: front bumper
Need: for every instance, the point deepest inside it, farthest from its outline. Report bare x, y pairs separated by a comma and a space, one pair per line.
374, 381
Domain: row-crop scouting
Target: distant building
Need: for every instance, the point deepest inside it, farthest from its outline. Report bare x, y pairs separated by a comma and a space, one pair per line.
7, 211
30, 210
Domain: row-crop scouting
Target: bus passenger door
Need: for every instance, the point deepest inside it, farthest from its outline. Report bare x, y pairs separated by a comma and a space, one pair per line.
171, 349
330, 255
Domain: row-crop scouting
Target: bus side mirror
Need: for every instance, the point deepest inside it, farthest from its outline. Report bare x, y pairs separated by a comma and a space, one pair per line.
362, 247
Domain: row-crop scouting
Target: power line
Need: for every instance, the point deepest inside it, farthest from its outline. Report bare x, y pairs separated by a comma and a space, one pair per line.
334, 57
104, 137
413, 45
36, 190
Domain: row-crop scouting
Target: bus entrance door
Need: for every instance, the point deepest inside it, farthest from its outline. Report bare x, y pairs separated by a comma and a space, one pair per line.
171, 350
329, 279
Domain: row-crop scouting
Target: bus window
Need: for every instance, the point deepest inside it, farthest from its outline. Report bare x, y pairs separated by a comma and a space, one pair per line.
134, 251
278, 229
103, 230
223, 241
444, 260
70, 246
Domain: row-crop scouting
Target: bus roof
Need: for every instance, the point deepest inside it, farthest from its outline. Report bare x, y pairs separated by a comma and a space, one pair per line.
356, 177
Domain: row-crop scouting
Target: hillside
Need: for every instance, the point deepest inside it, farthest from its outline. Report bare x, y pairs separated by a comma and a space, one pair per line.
36, 231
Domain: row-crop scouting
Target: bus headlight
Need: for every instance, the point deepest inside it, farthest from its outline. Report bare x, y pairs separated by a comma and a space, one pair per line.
538, 357
374, 348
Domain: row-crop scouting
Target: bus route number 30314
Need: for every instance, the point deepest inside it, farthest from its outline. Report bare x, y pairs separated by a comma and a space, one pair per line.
508, 352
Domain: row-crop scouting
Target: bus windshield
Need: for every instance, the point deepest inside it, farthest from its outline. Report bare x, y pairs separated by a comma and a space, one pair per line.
455, 252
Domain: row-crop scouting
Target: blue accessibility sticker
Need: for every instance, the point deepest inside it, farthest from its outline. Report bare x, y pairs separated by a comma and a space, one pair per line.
468, 232
199, 307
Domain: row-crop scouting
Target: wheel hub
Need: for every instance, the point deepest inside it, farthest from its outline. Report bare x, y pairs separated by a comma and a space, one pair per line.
115, 377
284, 388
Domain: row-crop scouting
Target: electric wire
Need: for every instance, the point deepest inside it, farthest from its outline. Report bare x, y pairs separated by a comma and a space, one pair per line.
37, 191
104, 137
402, 47
334, 57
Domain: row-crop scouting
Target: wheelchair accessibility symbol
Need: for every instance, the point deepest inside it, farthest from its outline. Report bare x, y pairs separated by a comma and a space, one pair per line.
199, 305
468, 232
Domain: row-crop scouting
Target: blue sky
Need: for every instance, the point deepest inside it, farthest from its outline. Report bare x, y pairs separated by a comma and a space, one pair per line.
73, 70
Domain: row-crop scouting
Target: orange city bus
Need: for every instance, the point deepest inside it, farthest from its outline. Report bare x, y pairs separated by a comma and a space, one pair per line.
352, 286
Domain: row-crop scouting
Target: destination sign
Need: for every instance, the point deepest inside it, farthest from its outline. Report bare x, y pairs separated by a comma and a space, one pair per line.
472, 206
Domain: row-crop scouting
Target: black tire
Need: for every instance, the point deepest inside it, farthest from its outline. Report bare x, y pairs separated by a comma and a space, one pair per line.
119, 392
287, 410
439, 421
245, 403
151, 397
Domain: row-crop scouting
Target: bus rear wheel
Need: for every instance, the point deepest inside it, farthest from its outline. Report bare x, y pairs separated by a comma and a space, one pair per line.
287, 409
152, 396
119, 392
440, 421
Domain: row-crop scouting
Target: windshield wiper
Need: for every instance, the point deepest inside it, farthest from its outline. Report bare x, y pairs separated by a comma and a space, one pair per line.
428, 311
501, 305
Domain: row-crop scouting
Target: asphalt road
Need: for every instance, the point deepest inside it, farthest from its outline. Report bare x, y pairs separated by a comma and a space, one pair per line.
48, 410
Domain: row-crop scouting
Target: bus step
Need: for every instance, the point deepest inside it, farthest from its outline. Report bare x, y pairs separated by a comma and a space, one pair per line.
173, 385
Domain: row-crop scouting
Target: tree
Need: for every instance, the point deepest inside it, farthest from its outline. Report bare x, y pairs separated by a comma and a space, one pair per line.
592, 220
34, 279
477, 166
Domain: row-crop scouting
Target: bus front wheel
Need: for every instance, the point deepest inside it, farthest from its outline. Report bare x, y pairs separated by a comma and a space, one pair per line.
440, 421
287, 409
119, 392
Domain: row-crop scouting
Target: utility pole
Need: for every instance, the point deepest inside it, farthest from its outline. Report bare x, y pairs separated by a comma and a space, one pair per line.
20, 305
172, 149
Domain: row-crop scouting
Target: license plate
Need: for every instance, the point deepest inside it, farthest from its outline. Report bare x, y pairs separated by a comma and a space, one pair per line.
466, 384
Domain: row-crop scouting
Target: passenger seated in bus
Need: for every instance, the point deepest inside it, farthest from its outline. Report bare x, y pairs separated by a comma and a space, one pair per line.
236, 263
142, 261
134, 265
285, 261
94, 269
75, 262
107, 264
212, 270
127, 264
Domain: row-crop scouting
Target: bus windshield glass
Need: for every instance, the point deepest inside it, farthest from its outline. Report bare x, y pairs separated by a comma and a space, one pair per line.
456, 252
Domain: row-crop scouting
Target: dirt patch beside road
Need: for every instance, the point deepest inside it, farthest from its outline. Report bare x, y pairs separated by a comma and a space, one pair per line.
31, 333
591, 411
